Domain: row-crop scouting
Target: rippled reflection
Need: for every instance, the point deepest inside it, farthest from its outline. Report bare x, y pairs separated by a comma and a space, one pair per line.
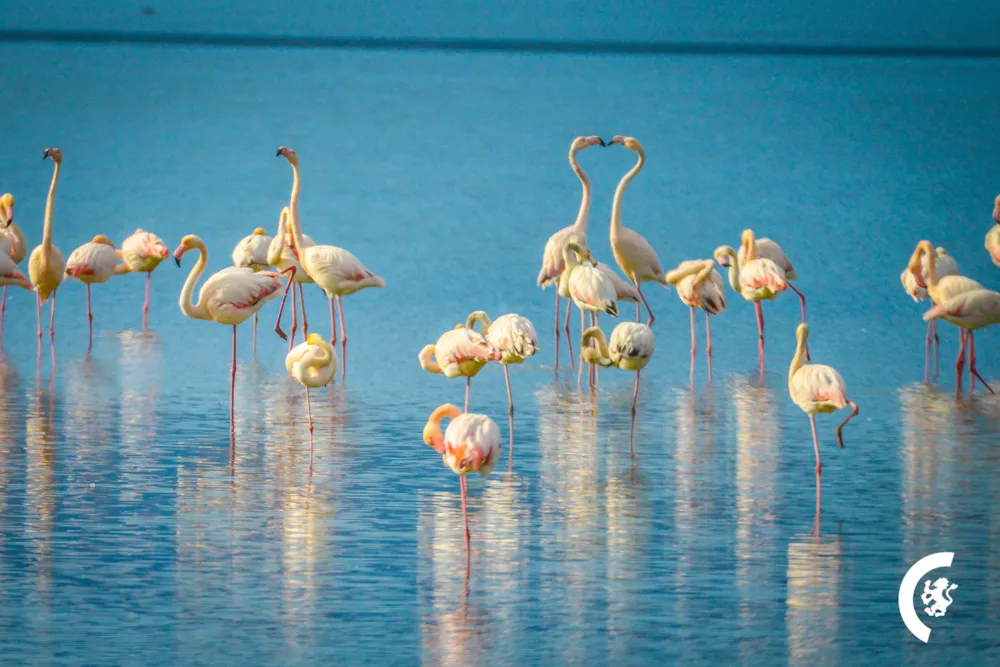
40, 498
813, 589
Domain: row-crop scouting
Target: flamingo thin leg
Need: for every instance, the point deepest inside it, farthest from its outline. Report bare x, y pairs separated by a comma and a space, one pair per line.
333, 323
760, 334
468, 384
595, 370
937, 349
708, 343
295, 318
927, 352
635, 397
145, 305
463, 485
638, 288
972, 363
52, 317
694, 346
281, 309
90, 321
232, 383
3, 311
556, 329
583, 327
854, 413
819, 463
960, 363
255, 336
510, 397
343, 340
569, 337
309, 411
302, 303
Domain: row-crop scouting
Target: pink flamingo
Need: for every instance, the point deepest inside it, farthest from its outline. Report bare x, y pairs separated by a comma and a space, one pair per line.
142, 252
590, 289
970, 311
946, 266
993, 236
92, 262
13, 244
514, 336
471, 444
699, 285
251, 253
460, 352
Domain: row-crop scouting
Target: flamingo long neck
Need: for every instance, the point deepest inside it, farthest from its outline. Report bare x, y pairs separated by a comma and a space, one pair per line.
581, 217
427, 361
481, 317
274, 251
432, 430
734, 270
616, 206
932, 281
800, 350
602, 343
49, 206
751, 246
293, 208
704, 272
194, 310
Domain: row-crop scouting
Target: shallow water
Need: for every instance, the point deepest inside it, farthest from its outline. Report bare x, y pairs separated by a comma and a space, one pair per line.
132, 527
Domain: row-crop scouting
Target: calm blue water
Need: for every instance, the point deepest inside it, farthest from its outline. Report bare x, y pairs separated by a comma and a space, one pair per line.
133, 530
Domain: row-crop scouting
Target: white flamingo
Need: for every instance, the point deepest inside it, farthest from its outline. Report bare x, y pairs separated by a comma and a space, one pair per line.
281, 254
970, 311
313, 365
699, 285
14, 245
514, 336
92, 262
946, 266
590, 289
251, 253
142, 252
460, 352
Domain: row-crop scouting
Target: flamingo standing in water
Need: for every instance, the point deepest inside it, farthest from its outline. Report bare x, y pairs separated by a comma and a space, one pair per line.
142, 252
471, 444
699, 285
631, 347
229, 297
635, 257
14, 245
946, 266
336, 271
46, 264
513, 335
590, 289
970, 310
459, 352
251, 253
92, 262
993, 236
552, 257
281, 254
817, 388
313, 364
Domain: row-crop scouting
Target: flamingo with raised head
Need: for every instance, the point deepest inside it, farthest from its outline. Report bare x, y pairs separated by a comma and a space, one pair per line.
251, 253
313, 365
993, 236
946, 266
142, 252
514, 336
552, 257
460, 352
970, 311
46, 265
816, 388
336, 271
471, 444
229, 296
699, 285
590, 289
281, 254
630, 349
15, 246
91, 263
635, 257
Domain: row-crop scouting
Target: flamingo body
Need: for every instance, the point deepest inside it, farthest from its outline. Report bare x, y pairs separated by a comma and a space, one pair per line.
993, 236
10, 274
46, 270
93, 262
945, 265
762, 279
460, 352
969, 310
143, 251
708, 294
251, 251
312, 363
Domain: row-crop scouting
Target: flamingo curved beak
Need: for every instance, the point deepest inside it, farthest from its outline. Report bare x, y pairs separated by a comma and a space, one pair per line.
602, 142
920, 280
178, 254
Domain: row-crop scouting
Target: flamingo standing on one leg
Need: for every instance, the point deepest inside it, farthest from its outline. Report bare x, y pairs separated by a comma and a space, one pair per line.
631, 347
281, 254
313, 364
699, 285
817, 388
946, 266
142, 252
993, 236
970, 310
229, 297
590, 289
552, 257
471, 444
13, 244
336, 271
635, 257
459, 352
92, 262
515, 338
46, 264
251, 253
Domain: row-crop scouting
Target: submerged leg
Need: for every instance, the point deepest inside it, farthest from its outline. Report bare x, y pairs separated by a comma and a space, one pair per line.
972, 364
635, 396
463, 485
343, 340
569, 337
510, 397
708, 343
694, 346
819, 464
760, 336
960, 362
90, 321
556, 329
641, 296
232, 384
305, 322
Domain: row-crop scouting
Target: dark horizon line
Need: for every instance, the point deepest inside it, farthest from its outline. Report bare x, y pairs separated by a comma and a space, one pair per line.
497, 44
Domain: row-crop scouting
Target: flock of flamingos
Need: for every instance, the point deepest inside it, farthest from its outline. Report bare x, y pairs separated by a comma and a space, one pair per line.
264, 266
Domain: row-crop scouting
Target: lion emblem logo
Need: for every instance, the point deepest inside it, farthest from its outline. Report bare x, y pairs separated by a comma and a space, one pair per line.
937, 597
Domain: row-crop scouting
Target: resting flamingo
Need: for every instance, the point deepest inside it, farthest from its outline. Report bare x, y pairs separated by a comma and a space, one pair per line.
46, 264
589, 288
552, 257
313, 365
142, 252
460, 352
229, 296
942, 289
513, 335
11, 276
13, 244
817, 388
281, 254
970, 311
993, 236
635, 257
92, 262
471, 444
699, 285
251, 253
946, 266
631, 347
336, 271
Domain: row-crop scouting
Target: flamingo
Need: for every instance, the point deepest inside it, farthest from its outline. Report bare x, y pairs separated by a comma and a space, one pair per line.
513, 335
630, 349
946, 266
229, 296
993, 236
471, 444
757, 278
699, 285
590, 289
552, 256
970, 310
92, 262
336, 271
251, 253
942, 289
817, 388
313, 364
142, 252
459, 352
635, 257
13, 244
46, 264
281, 253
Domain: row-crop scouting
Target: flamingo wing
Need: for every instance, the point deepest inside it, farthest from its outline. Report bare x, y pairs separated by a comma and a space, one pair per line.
92, 262
552, 257
11, 275
234, 294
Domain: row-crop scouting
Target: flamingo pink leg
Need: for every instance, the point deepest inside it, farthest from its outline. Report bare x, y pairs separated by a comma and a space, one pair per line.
510, 396
295, 318
694, 346
556, 329
708, 343
854, 413
927, 352
38, 310
595, 370
971, 342
3, 311
468, 384
333, 322
802, 303
638, 288
145, 305
960, 363
309, 411
52, 317
819, 464
305, 322
583, 327
255, 336
232, 383
463, 485
281, 309
937, 349
569, 337
760, 333
90, 320
635, 397
972, 363
343, 340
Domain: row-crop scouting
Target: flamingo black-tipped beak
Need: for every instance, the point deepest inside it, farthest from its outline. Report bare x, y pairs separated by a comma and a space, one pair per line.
178, 260
277, 153
602, 142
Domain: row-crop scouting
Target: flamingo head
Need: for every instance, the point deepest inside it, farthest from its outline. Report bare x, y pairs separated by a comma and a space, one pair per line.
630, 143
53, 153
187, 243
916, 264
103, 240
6, 209
802, 332
996, 210
288, 154
585, 142
748, 238
724, 255
260, 231
315, 339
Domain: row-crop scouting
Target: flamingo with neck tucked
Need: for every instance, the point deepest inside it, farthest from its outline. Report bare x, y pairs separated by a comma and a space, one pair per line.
281, 254
514, 336
46, 265
251, 253
142, 252
313, 365
460, 352
946, 266
92, 262
589, 288
14, 245
699, 285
